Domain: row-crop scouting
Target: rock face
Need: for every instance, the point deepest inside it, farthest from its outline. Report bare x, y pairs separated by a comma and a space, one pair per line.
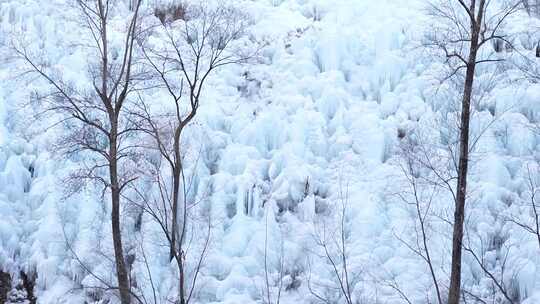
28, 283
5, 286
20, 292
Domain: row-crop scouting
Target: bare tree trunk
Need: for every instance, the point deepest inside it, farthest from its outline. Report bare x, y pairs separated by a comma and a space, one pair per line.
121, 269
174, 247
177, 172
177, 176
174, 229
176, 195
463, 165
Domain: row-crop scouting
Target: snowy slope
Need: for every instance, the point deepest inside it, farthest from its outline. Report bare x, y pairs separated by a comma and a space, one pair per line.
279, 147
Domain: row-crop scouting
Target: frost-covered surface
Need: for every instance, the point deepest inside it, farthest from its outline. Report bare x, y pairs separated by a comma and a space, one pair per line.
284, 143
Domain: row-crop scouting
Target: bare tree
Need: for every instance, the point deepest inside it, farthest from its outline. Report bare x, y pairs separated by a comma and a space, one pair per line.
465, 28
156, 203
95, 118
269, 299
332, 240
426, 173
529, 221
417, 166
497, 278
189, 50
192, 51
